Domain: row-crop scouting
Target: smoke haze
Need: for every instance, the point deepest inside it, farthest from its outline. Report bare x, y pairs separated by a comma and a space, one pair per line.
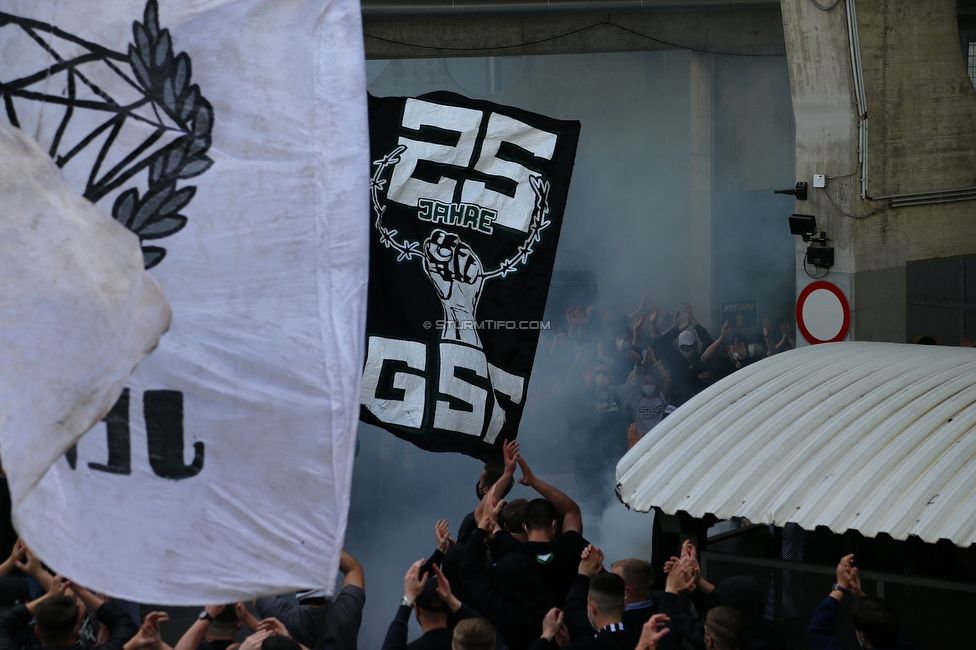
671, 195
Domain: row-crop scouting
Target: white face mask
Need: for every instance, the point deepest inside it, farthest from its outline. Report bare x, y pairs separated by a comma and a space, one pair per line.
621, 344
602, 380
648, 389
687, 354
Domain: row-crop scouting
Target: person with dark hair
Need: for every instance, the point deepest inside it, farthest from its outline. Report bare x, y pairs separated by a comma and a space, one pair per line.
511, 597
557, 558
280, 642
345, 613
681, 348
512, 519
495, 477
685, 586
604, 608
875, 621
433, 603
59, 615
724, 629
474, 634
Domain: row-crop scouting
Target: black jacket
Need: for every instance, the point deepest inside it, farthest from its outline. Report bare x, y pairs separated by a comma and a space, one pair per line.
120, 625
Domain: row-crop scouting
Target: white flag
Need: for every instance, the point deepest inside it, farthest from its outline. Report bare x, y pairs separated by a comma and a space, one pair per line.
231, 136
77, 311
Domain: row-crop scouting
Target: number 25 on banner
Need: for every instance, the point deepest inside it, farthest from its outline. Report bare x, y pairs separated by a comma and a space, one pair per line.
512, 199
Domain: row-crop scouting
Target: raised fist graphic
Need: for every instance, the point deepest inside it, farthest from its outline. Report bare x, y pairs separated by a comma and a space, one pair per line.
458, 277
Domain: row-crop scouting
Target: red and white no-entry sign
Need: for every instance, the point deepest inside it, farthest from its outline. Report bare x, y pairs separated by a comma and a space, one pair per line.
822, 313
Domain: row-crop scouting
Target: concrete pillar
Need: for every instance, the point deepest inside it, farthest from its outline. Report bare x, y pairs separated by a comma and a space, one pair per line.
818, 56
700, 202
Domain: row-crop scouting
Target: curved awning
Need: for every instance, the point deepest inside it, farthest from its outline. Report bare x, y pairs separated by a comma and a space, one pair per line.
876, 437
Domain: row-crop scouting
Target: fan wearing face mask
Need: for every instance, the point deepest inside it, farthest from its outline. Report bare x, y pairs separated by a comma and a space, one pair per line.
647, 392
681, 348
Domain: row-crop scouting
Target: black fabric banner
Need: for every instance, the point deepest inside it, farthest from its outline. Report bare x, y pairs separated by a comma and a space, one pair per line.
467, 202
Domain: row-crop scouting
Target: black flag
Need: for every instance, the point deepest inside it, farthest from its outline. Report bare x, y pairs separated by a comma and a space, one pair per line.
467, 202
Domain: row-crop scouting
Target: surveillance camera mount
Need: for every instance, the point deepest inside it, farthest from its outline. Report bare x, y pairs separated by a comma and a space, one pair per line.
799, 191
822, 239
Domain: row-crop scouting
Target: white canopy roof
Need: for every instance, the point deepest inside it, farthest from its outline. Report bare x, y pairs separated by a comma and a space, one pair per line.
878, 437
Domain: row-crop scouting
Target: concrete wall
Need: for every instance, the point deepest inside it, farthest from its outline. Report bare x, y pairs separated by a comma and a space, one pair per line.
921, 109
750, 30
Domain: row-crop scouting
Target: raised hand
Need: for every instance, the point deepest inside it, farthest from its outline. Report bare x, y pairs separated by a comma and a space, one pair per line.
591, 562
443, 535
528, 478
652, 632
585, 318
510, 452
854, 584
632, 437
274, 626
670, 564
28, 562
444, 590
639, 322
845, 569
551, 623
726, 330
681, 577
148, 637
489, 514
571, 315
649, 357
652, 318
254, 641
413, 584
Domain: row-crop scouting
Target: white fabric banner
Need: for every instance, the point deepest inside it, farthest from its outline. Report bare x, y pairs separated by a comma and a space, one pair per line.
77, 311
231, 136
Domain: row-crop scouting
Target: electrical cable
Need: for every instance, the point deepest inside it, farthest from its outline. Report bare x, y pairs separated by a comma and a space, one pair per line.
823, 8
814, 277
602, 23
871, 211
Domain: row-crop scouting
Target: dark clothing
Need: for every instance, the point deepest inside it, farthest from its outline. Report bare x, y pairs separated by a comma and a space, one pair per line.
683, 624
684, 371
743, 594
468, 526
574, 609
635, 618
303, 622
823, 624
604, 640
440, 639
437, 557
558, 561
8, 536
515, 613
396, 635
120, 626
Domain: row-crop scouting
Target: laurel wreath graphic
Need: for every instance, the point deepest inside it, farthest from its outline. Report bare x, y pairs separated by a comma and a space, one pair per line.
165, 79
407, 250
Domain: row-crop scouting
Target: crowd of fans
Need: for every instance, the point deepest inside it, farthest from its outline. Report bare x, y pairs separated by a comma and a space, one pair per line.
611, 378
520, 575
624, 374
